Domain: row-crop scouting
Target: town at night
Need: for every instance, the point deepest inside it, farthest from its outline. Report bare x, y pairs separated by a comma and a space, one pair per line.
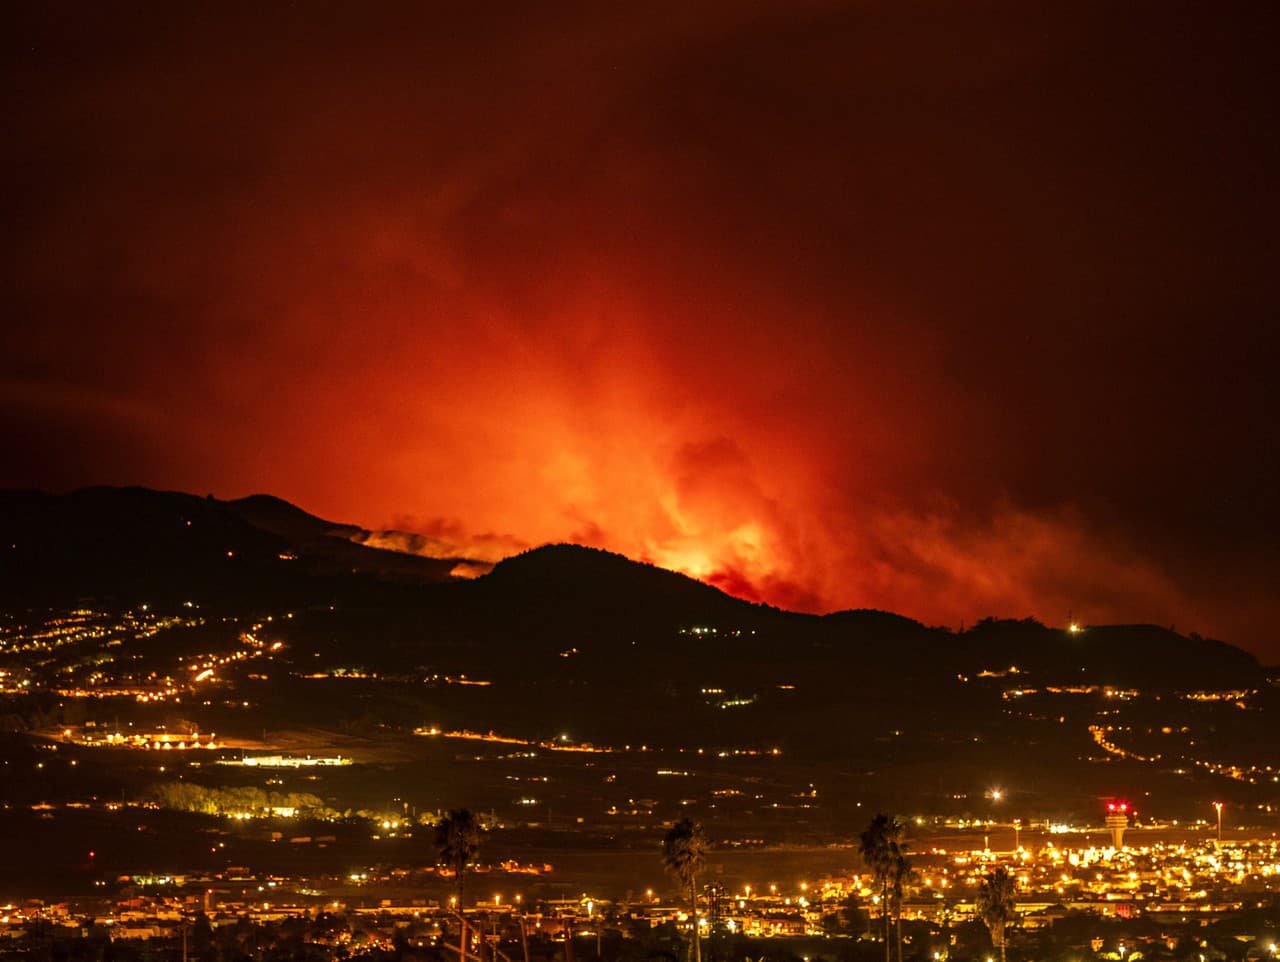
704, 482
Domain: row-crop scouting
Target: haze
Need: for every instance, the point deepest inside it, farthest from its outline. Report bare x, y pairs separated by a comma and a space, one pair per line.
928, 310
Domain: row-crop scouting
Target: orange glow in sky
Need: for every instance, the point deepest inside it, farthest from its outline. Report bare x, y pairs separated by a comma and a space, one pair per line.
830, 306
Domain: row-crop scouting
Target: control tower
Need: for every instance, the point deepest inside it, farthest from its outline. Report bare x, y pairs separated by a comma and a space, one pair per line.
1117, 821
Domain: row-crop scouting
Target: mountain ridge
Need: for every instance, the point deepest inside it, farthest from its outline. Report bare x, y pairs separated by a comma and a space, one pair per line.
569, 640
132, 543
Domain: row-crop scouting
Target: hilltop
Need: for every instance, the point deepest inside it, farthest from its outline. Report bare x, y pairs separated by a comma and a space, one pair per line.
131, 545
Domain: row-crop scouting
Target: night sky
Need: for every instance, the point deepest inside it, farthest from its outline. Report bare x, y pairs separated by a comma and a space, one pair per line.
954, 310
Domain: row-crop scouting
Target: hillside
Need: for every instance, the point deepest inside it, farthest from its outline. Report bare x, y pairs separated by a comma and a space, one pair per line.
567, 639
127, 545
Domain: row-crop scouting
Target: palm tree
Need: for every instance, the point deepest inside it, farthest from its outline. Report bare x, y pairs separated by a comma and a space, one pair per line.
884, 853
899, 873
996, 904
684, 850
458, 842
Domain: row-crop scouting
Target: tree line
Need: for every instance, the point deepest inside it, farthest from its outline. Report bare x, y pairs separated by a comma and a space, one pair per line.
245, 799
882, 847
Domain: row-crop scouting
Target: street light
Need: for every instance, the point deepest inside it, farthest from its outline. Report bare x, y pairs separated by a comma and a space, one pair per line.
1217, 807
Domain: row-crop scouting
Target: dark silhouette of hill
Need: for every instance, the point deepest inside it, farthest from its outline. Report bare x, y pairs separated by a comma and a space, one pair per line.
335, 548
135, 544
128, 545
269, 513
897, 637
1134, 655
568, 582
566, 596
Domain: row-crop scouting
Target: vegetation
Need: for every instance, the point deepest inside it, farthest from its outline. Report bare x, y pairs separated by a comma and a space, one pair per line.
458, 843
684, 852
884, 852
245, 801
996, 905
